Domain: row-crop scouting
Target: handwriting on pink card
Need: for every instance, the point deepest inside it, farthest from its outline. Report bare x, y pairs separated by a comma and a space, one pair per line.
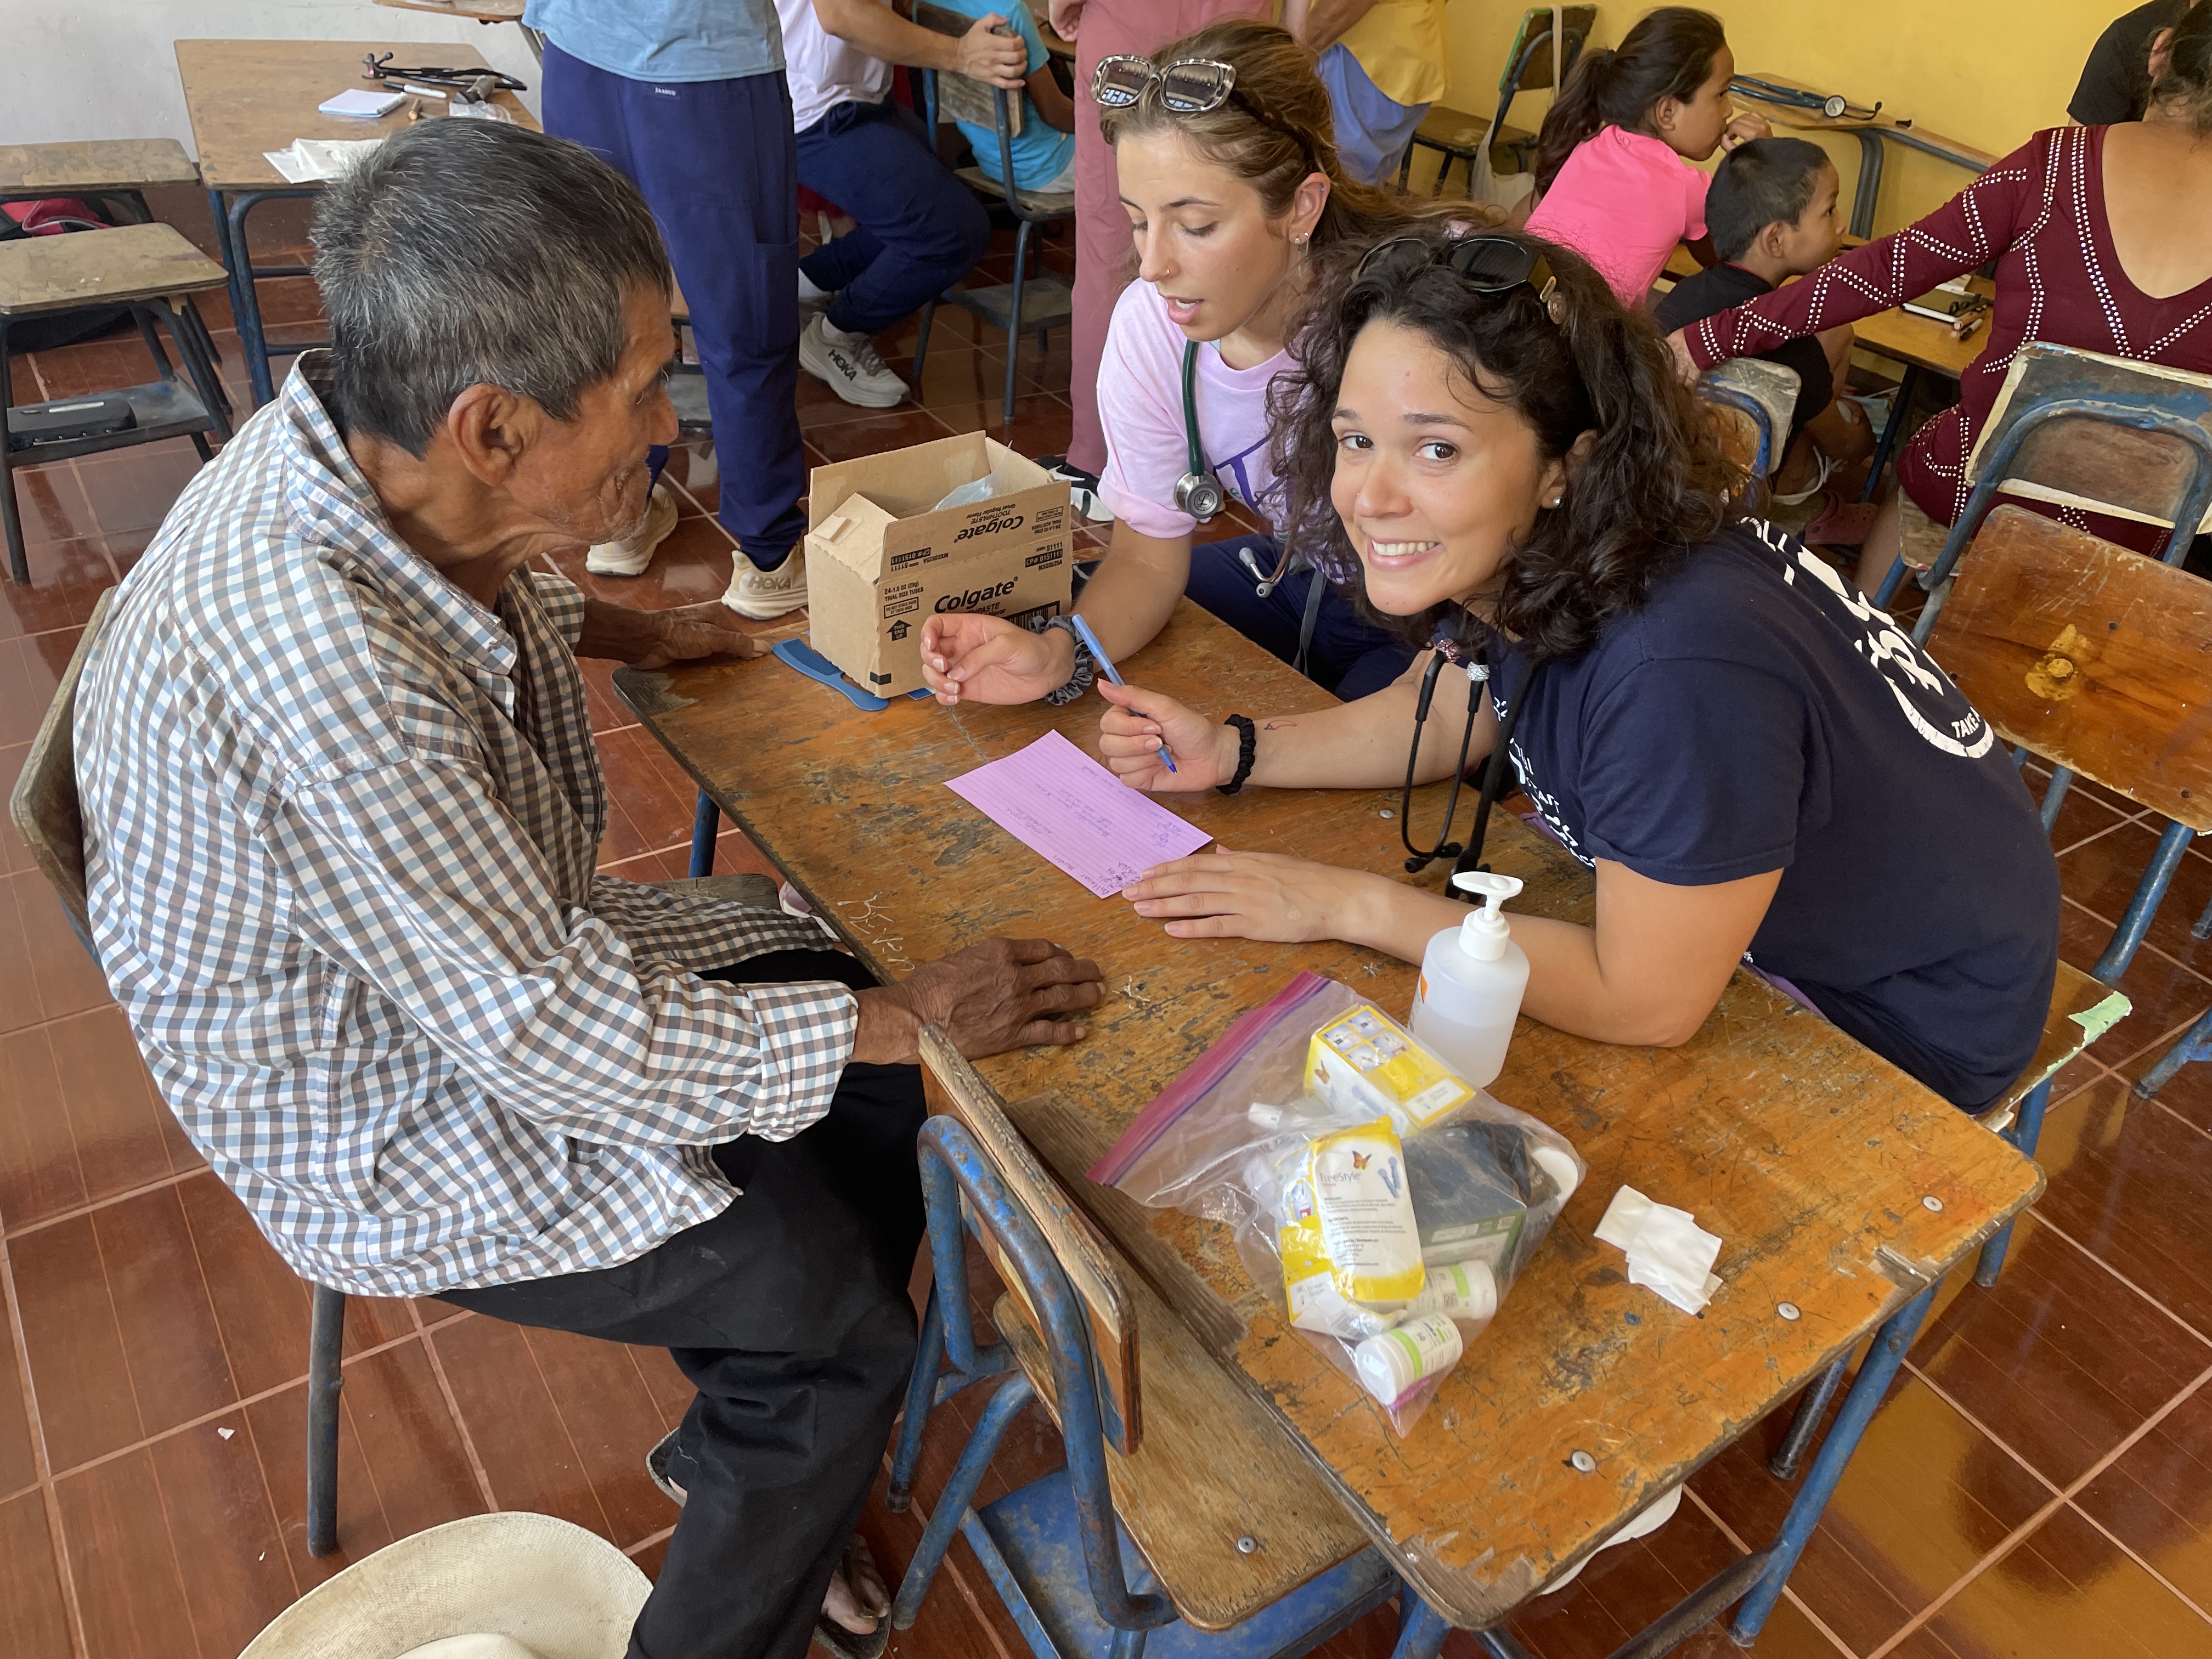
1056, 800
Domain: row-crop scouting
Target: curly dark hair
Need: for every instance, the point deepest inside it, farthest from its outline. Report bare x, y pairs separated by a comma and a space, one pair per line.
1654, 485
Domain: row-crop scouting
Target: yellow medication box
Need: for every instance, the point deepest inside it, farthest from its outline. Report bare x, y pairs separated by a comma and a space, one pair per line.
1365, 1061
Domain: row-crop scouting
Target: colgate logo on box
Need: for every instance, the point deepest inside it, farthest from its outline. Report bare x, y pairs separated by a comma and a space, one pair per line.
974, 597
992, 526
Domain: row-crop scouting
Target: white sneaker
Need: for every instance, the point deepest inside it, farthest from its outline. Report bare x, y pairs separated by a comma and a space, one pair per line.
849, 364
812, 301
765, 595
631, 555
1082, 487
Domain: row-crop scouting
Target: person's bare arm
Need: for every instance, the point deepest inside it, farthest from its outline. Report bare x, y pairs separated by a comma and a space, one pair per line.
998, 60
653, 638
1648, 972
1318, 24
1054, 107
1362, 744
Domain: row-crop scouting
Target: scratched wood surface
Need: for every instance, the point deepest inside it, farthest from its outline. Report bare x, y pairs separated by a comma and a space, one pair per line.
97, 164
2090, 655
247, 98
1815, 120
1809, 1156
101, 267
2082, 1011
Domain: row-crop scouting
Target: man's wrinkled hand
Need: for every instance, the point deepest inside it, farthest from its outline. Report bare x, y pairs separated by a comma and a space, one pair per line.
1003, 994
693, 631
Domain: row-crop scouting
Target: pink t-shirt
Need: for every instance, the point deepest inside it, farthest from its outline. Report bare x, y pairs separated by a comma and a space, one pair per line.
1141, 406
1623, 201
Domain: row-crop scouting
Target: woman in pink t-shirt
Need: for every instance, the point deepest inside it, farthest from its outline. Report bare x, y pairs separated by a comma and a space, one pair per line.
1614, 176
1230, 207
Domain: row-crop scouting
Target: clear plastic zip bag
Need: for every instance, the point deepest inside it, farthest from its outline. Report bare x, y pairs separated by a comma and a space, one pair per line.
1393, 1205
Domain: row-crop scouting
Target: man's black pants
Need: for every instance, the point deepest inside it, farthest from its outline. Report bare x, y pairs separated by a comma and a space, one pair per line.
789, 1313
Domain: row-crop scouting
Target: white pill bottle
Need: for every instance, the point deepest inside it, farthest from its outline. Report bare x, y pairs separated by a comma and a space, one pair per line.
1471, 980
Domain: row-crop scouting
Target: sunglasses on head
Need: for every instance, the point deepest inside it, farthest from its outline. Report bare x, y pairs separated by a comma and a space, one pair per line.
1488, 264
1190, 85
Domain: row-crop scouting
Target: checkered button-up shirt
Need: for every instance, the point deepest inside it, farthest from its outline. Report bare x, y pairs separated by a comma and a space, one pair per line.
340, 826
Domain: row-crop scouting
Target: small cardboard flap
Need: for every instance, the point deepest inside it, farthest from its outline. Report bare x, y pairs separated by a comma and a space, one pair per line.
852, 536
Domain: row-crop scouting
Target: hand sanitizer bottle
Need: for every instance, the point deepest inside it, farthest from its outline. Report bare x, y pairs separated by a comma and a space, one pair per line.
1471, 983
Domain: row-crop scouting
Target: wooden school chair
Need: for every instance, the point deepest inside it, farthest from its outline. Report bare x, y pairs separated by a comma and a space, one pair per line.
1752, 404
48, 814
148, 270
2092, 656
2079, 428
1034, 301
1460, 137
1185, 1520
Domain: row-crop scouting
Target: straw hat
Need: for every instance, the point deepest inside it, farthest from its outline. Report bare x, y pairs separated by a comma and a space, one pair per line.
507, 1586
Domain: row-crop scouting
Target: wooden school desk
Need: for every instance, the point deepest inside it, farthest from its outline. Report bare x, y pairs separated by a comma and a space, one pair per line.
248, 97
1874, 133
1844, 1190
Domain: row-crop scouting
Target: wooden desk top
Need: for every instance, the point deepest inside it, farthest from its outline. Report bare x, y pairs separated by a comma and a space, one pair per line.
1888, 126
248, 97
104, 164
101, 267
1809, 1156
1895, 333
485, 11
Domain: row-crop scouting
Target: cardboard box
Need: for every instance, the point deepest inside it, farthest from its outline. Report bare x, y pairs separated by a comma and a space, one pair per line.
880, 560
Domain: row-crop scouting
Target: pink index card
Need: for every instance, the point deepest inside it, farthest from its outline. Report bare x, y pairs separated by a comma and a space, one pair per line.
1056, 800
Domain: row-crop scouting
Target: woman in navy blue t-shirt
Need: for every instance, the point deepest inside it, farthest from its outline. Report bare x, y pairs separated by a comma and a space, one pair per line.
1758, 765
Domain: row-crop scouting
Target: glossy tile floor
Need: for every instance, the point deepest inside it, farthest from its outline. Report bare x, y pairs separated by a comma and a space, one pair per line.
2038, 1482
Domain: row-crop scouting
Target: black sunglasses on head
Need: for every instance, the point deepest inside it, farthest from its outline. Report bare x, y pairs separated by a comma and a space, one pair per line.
1488, 264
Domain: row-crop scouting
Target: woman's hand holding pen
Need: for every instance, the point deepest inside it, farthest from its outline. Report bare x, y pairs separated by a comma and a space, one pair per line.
1131, 732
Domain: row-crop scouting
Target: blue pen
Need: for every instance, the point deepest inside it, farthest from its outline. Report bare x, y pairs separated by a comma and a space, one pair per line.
1106, 667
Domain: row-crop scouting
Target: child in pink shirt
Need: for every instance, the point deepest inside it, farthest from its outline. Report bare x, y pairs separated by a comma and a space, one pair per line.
1612, 167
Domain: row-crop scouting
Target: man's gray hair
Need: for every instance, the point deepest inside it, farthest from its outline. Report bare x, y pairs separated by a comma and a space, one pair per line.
466, 253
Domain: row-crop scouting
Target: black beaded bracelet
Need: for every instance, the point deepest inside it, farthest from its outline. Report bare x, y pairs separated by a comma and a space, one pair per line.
1248, 743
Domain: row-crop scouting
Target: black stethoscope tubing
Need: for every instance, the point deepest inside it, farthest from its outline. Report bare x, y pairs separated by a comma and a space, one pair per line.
1479, 674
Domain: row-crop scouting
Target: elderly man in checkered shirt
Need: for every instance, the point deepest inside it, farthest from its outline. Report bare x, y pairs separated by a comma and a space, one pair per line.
342, 811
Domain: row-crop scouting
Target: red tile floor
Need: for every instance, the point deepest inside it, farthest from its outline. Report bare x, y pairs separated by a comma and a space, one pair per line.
2038, 1482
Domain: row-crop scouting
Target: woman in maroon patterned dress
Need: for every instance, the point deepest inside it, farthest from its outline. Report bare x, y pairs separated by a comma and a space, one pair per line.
2103, 240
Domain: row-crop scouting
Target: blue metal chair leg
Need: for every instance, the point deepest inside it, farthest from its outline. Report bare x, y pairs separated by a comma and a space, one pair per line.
1889, 1343
2054, 796
1421, 1628
2026, 1131
921, 1399
2136, 922
952, 1503
1886, 595
2196, 1045
2202, 928
706, 823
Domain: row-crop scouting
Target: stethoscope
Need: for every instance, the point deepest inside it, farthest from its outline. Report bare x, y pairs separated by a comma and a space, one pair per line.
1478, 672
1198, 492
1834, 104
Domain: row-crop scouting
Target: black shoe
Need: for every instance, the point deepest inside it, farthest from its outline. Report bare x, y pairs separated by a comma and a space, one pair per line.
1082, 487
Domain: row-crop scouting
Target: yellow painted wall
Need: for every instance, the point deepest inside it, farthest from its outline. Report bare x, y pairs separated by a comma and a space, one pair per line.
1985, 72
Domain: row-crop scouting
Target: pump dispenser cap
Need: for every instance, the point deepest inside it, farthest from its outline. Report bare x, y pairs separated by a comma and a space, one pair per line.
1484, 934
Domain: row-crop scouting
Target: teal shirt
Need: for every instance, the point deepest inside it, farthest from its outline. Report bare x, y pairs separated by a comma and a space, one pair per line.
1042, 153
667, 39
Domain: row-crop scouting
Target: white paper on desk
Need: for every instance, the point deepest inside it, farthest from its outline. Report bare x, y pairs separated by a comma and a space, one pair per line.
361, 103
315, 161
1056, 800
1668, 1251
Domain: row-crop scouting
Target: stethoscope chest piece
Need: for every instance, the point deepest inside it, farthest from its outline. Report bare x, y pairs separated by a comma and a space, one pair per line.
1198, 492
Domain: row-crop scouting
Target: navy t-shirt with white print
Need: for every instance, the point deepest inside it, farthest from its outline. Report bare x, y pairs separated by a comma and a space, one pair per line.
1760, 713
